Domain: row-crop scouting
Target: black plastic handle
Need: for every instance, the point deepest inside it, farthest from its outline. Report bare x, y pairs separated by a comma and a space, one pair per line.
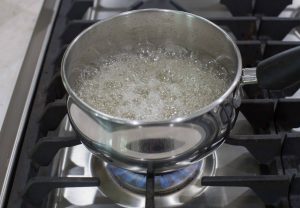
280, 71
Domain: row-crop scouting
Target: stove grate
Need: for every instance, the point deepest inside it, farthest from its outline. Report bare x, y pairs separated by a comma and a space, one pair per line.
272, 189
47, 147
39, 187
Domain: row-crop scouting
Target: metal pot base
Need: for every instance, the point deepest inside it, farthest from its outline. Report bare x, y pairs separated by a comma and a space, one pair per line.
126, 197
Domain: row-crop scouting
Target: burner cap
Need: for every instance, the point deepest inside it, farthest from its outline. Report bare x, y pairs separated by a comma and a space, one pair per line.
164, 183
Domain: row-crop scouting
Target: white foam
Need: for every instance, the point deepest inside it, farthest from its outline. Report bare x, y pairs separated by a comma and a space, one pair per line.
152, 83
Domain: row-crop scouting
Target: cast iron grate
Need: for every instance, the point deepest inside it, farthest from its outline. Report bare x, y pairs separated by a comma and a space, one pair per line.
258, 33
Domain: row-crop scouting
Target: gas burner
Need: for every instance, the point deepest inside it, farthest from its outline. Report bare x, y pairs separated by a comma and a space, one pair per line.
164, 183
127, 188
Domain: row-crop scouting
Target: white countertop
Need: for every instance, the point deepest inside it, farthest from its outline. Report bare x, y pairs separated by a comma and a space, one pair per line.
17, 21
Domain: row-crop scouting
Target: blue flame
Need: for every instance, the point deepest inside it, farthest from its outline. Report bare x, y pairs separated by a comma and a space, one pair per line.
162, 181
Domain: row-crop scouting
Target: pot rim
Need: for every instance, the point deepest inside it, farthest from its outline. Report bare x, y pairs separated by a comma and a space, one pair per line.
120, 120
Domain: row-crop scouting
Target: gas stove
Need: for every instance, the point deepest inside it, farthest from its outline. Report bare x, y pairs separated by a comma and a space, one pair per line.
43, 163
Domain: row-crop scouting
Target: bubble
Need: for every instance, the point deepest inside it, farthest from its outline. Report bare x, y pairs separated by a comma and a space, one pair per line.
152, 83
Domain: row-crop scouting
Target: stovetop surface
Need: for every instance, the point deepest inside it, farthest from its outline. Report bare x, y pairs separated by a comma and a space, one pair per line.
231, 160
257, 167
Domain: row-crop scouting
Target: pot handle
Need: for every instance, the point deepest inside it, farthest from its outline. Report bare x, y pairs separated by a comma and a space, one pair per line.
277, 72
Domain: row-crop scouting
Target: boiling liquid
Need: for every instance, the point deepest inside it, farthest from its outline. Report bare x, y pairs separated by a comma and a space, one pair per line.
152, 83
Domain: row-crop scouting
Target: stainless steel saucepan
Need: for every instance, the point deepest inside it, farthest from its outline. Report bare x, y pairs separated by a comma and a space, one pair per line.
168, 144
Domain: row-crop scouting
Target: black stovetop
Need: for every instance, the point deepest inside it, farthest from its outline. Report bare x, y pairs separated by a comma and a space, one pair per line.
258, 32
